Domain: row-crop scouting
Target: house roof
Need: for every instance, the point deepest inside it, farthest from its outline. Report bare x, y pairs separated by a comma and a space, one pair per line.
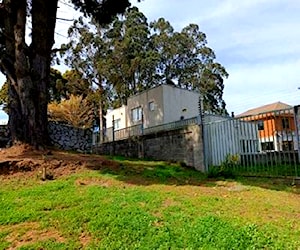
161, 86
266, 108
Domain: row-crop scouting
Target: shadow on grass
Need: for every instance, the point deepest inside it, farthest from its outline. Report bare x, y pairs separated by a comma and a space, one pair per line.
291, 185
149, 172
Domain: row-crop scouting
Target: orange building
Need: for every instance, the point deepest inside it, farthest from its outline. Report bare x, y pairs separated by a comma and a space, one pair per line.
275, 124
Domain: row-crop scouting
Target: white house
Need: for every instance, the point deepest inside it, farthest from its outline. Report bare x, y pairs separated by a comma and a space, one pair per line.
156, 106
117, 118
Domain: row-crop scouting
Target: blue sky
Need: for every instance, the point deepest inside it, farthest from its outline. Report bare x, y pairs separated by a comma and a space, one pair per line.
257, 41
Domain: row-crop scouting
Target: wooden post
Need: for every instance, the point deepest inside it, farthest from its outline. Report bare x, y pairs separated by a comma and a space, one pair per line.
113, 134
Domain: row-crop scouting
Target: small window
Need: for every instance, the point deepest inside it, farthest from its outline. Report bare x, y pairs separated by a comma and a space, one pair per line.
287, 145
285, 123
267, 146
136, 114
151, 106
260, 125
117, 124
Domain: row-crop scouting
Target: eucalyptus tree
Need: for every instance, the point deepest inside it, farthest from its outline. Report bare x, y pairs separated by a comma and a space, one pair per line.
57, 86
201, 70
85, 53
115, 59
131, 55
186, 61
130, 58
27, 66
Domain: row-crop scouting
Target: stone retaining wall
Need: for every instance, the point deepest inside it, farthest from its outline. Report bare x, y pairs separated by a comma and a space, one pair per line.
181, 145
69, 138
4, 135
61, 136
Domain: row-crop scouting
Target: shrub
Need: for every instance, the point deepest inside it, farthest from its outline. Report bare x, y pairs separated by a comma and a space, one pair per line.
75, 111
226, 169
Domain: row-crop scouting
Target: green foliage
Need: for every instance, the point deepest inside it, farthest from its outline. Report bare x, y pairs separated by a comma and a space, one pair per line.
57, 86
103, 13
74, 111
4, 96
132, 55
226, 169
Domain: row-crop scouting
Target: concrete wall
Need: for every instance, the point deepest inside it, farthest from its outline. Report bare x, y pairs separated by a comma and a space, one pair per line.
182, 145
179, 103
151, 117
169, 104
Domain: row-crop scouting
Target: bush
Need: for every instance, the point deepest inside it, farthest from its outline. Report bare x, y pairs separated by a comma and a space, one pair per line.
226, 169
74, 111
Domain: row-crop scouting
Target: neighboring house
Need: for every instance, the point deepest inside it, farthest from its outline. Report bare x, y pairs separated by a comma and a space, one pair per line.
156, 106
276, 126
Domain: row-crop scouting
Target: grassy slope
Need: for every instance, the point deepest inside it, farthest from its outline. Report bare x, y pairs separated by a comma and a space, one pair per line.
147, 205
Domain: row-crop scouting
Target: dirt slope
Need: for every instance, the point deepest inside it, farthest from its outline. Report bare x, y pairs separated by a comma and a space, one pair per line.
23, 160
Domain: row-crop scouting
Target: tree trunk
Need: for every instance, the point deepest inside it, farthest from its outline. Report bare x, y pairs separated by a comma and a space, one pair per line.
29, 70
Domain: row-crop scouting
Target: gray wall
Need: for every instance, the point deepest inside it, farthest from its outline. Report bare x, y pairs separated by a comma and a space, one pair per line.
4, 135
179, 103
182, 145
151, 118
170, 104
70, 138
61, 136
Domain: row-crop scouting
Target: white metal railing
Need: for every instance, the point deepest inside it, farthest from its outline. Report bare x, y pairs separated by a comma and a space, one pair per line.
138, 130
172, 125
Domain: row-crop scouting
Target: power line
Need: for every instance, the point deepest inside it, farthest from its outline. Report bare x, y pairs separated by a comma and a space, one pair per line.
66, 4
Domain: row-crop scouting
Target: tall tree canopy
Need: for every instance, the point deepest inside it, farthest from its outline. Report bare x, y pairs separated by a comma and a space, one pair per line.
131, 55
27, 66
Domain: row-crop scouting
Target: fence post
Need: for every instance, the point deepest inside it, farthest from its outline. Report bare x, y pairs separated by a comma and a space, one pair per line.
201, 123
113, 134
142, 127
297, 128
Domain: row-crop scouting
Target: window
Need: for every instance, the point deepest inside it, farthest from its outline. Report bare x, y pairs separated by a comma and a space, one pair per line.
287, 145
266, 146
285, 123
117, 124
151, 106
136, 114
260, 125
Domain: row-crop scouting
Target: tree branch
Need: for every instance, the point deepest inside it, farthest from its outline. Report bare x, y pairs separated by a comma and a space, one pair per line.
58, 50
64, 19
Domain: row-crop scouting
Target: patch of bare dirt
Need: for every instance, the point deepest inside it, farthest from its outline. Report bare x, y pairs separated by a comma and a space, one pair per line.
29, 232
25, 161
95, 182
85, 239
169, 202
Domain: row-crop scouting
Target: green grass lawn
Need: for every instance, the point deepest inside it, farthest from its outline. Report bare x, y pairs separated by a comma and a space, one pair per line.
148, 205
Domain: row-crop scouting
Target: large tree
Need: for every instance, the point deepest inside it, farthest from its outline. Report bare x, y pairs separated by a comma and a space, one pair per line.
27, 66
131, 55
